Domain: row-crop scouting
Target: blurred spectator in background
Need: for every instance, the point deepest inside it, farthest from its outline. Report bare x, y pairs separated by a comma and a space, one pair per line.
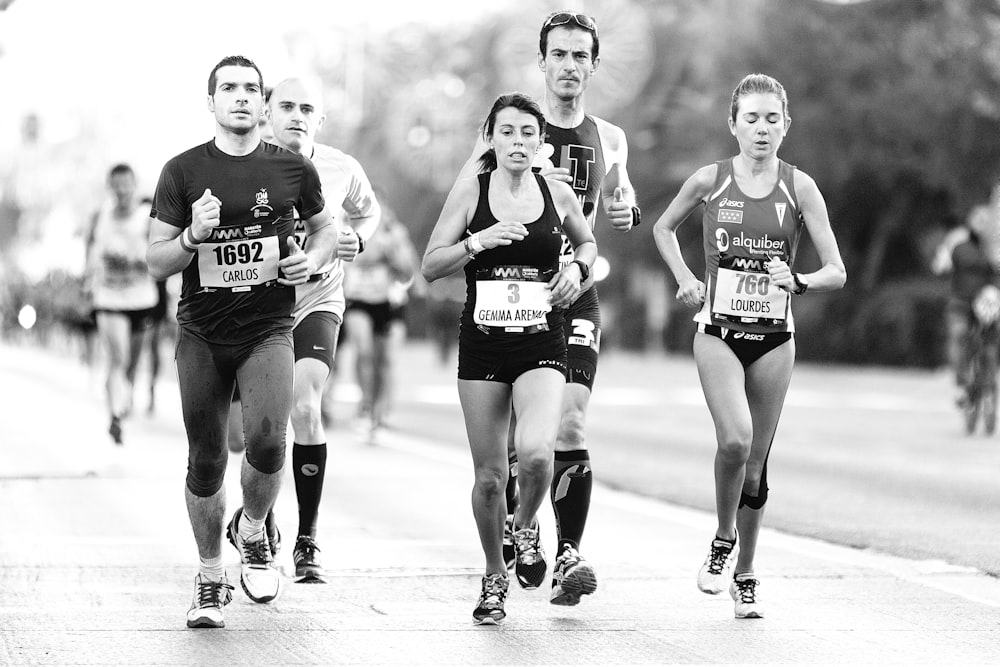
965, 254
375, 286
446, 297
123, 293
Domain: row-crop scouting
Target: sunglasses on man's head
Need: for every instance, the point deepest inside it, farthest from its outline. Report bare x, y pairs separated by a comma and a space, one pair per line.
563, 18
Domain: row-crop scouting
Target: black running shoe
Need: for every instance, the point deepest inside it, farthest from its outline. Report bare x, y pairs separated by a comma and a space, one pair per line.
530, 565
308, 568
509, 554
489, 609
273, 534
115, 430
572, 577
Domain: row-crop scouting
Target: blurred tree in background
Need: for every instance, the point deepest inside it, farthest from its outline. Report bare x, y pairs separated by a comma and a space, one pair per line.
895, 107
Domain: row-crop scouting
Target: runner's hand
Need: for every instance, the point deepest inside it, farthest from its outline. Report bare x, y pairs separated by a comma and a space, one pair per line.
502, 233
781, 274
564, 288
295, 267
620, 212
557, 174
691, 292
205, 215
348, 244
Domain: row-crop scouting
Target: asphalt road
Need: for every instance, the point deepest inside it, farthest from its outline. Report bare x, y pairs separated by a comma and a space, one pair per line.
97, 559
869, 458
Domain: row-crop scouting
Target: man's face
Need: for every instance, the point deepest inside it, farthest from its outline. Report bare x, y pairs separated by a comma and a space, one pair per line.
296, 113
568, 64
238, 99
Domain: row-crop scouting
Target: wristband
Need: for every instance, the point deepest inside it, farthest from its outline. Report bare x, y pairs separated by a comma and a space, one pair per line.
468, 248
361, 243
800, 284
188, 242
584, 269
475, 244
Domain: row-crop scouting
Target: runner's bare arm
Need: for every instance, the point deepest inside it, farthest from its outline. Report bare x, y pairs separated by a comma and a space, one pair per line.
690, 290
832, 275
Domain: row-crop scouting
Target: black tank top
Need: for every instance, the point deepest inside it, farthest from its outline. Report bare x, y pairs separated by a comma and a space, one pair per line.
579, 150
512, 273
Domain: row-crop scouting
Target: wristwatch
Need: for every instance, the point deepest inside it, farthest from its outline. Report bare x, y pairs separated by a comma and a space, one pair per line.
584, 269
636, 216
801, 284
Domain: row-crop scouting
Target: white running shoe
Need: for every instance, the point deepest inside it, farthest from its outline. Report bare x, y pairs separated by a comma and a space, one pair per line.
715, 572
261, 581
744, 592
209, 599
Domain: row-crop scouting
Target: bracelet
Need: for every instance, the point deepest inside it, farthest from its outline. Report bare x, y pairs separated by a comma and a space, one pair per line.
475, 244
188, 242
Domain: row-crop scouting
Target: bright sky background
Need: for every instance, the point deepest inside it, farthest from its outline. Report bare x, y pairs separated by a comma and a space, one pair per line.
141, 66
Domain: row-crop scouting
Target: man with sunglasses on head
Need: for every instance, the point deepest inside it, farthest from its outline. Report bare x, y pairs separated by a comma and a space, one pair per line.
589, 154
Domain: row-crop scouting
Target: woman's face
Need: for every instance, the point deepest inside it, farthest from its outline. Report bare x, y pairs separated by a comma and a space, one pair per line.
760, 125
515, 138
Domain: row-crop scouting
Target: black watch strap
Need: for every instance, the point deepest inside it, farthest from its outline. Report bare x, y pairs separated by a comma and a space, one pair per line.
636, 216
584, 269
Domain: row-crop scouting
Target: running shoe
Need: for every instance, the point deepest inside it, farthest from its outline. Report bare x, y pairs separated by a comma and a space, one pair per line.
529, 565
489, 609
115, 430
744, 592
258, 576
209, 599
308, 569
273, 534
509, 555
714, 573
572, 577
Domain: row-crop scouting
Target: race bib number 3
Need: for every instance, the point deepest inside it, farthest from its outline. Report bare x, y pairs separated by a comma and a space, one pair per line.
513, 298
239, 265
749, 296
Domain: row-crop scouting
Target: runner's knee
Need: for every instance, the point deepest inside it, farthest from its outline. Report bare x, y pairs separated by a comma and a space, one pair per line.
206, 473
491, 481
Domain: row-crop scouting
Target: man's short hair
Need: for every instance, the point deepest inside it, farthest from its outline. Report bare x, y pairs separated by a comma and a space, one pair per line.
234, 61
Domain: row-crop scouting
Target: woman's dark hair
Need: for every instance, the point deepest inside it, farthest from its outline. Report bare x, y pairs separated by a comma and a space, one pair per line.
519, 101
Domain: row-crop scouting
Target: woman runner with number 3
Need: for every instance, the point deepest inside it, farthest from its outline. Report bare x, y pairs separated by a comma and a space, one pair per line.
754, 208
505, 228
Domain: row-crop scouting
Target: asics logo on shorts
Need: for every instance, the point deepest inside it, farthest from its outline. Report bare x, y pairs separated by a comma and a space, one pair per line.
748, 336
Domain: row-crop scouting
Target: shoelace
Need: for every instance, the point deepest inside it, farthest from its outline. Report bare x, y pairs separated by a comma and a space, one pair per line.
258, 552
214, 594
306, 549
747, 590
526, 541
568, 558
494, 592
717, 558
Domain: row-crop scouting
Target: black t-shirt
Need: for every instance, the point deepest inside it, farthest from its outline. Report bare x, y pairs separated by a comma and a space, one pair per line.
230, 292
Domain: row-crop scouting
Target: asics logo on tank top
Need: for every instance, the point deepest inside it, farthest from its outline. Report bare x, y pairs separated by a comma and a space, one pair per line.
730, 202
